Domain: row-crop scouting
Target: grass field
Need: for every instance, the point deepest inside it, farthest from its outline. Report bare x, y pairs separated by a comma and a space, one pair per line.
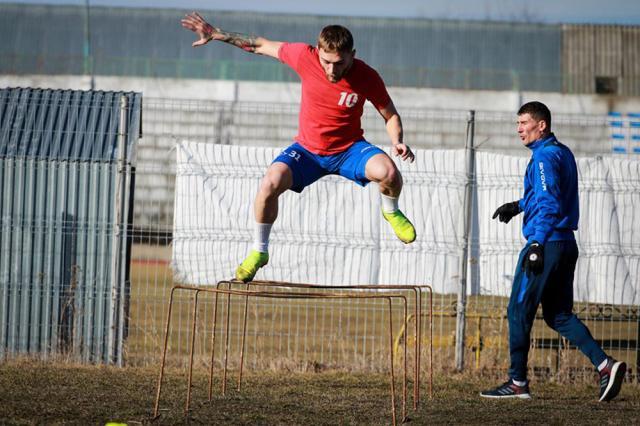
33, 392
310, 362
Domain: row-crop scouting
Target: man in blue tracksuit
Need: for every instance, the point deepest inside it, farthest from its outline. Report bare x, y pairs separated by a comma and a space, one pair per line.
544, 273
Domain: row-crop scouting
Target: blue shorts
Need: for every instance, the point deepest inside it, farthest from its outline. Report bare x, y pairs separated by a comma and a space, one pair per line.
308, 167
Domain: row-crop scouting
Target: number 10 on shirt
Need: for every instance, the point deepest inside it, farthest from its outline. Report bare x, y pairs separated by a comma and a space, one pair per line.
348, 99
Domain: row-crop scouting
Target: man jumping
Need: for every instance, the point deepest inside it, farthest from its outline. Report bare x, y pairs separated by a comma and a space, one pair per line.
330, 138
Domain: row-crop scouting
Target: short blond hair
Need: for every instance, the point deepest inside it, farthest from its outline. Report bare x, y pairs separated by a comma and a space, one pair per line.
335, 39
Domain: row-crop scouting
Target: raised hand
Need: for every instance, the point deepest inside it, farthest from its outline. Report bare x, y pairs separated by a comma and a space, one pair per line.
206, 32
403, 151
198, 25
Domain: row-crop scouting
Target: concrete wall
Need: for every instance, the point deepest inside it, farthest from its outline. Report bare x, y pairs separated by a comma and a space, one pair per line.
222, 90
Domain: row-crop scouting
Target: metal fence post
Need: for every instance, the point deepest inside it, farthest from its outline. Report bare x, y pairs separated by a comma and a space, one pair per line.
638, 349
462, 289
117, 285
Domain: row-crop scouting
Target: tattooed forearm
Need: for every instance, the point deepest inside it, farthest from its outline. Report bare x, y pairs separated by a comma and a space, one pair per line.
243, 41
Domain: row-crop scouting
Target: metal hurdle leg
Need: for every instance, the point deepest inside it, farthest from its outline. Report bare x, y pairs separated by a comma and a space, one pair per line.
226, 345
244, 333
418, 330
191, 350
430, 341
213, 342
164, 355
242, 345
418, 334
213, 337
404, 379
393, 390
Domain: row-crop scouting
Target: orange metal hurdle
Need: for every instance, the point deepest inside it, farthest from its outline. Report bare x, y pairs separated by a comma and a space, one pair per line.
278, 295
417, 290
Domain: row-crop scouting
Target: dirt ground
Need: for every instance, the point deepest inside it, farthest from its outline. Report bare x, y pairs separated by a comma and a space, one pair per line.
35, 392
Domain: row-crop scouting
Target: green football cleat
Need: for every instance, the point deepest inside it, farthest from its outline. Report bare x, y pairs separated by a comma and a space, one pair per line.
401, 226
248, 268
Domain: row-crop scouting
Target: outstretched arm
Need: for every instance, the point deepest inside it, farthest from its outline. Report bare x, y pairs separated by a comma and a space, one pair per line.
250, 43
394, 130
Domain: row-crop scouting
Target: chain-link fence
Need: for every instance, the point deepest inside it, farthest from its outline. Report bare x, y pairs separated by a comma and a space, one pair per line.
311, 333
345, 334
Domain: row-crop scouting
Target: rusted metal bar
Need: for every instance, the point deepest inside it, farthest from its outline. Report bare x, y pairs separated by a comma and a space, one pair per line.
213, 343
192, 346
393, 379
244, 334
226, 345
417, 289
279, 295
164, 355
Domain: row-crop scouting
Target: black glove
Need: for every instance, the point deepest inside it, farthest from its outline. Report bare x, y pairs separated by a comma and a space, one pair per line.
534, 260
507, 211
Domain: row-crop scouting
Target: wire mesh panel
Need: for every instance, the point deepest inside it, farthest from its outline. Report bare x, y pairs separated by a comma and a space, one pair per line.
280, 338
606, 279
241, 124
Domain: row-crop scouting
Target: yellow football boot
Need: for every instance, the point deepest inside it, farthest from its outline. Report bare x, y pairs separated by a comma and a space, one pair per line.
248, 268
401, 226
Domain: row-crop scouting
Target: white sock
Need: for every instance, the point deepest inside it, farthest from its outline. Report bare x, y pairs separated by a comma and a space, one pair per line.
389, 204
261, 233
603, 364
519, 383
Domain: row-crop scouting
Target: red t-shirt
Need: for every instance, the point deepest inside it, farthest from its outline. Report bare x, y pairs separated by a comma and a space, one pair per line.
329, 120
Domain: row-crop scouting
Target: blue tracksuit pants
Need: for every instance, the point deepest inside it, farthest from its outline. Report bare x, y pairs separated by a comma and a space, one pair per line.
554, 289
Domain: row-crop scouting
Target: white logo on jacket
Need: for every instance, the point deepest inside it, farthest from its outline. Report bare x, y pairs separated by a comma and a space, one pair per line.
543, 179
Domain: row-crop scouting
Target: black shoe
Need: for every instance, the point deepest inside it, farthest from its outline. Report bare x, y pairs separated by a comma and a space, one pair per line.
508, 390
611, 378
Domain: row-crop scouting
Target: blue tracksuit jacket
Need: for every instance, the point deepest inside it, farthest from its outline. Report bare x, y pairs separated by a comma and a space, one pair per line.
550, 205
550, 201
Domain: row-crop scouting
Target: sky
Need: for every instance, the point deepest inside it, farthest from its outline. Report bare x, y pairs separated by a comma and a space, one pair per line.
626, 12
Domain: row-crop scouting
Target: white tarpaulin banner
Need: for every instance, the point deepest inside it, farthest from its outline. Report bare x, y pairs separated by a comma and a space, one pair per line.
333, 232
